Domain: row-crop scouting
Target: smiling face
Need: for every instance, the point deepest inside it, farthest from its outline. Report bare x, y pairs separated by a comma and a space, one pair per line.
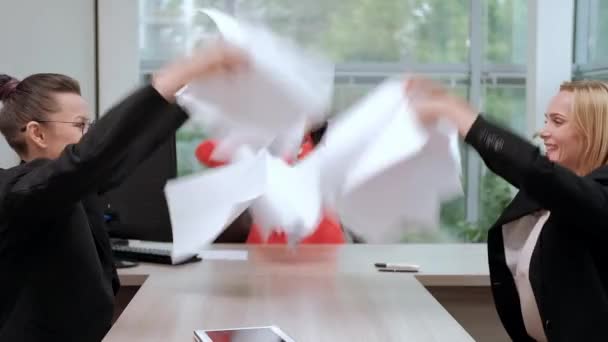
561, 136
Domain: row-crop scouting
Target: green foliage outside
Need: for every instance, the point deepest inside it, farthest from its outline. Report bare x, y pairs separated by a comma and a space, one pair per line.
187, 140
594, 45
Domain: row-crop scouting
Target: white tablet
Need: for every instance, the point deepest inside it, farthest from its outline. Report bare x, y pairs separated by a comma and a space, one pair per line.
250, 334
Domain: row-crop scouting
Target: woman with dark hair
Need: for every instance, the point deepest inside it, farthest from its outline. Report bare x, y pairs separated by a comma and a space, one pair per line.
58, 279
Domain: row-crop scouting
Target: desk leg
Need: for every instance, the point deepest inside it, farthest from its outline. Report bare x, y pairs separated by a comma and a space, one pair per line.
122, 299
473, 308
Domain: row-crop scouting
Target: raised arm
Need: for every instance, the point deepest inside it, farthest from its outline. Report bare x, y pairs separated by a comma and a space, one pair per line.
579, 199
147, 116
582, 199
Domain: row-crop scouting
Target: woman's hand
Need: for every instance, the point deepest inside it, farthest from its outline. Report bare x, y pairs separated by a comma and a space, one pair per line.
215, 59
432, 101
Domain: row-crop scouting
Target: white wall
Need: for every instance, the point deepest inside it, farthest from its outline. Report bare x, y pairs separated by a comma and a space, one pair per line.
550, 46
118, 50
48, 36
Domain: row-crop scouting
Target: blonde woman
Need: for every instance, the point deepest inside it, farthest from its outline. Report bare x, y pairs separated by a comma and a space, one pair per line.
548, 251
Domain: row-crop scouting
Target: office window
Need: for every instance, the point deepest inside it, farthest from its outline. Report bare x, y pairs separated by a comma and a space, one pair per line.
505, 39
503, 97
592, 28
505, 105
368, 41
591, 45
187, 140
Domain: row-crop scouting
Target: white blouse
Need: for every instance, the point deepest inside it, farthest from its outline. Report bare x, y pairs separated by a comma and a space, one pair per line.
520, 237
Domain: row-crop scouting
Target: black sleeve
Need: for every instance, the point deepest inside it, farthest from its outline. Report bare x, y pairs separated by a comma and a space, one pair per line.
581, 199
85, 167
139, 150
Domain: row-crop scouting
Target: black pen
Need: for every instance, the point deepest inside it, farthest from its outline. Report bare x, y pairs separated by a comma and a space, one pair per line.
396, 270
400, 267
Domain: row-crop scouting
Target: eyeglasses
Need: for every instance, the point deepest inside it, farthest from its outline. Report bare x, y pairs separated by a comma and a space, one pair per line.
83, 125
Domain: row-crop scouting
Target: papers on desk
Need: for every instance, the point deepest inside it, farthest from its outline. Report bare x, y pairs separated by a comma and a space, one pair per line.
376, 167
284, 90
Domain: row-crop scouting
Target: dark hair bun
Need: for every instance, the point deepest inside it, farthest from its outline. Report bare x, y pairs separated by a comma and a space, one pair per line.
8, 85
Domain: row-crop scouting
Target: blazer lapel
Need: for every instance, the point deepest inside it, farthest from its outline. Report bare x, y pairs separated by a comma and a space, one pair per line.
503, 285
521, 206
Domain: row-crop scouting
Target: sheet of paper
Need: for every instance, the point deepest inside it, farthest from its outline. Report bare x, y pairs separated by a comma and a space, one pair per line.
384, 167
291, 200
401, 138
278, 195
287, 144
352, 132
402, 193
283, 85
203, 204
442, 160
236, 137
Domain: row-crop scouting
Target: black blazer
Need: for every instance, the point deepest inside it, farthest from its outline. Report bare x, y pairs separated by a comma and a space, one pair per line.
569, 266
58, 278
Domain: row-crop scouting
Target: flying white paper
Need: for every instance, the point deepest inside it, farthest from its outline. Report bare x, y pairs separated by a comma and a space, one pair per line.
382, 167
291, 200
203, 204
349, 134
283, 89
279, 196
287, 144
377, 165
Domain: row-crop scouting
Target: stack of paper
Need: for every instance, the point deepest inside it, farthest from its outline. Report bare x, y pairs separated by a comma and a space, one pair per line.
284, 90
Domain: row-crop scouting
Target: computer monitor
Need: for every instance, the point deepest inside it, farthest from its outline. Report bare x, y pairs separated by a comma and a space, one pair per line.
137, 209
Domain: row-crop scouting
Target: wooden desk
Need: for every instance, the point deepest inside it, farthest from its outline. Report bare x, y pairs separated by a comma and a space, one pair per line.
314, 293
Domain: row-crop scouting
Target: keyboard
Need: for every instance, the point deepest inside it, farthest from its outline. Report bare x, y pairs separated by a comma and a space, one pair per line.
153, 255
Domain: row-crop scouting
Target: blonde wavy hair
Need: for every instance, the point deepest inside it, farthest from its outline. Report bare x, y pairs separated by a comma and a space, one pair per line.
590, 114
